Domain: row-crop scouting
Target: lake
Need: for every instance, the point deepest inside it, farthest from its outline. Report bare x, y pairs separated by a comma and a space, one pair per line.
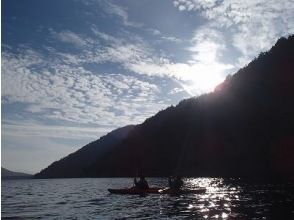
89, 199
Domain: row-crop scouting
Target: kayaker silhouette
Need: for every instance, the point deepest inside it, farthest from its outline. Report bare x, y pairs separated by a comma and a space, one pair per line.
142, 183
175, 183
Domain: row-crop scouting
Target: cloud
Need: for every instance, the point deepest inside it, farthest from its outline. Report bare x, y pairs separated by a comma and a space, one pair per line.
59, 91
104, 36
154, 31
260, 22
171, 38
53, 99
198, 75
71, 38
176, 91
33, 129
61, 88
50, 90
134, 54
208, 45
121, 12
163, 36
182, 8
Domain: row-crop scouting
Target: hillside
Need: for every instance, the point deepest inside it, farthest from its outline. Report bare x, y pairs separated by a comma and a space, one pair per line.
8, 174
75, 164
244, 128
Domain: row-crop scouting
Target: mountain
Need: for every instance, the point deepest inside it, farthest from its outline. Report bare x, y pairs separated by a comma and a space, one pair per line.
244, 128
7, 174
75, 164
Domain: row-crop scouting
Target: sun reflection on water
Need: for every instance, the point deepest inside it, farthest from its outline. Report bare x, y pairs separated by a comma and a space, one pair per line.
216, 201
230, 198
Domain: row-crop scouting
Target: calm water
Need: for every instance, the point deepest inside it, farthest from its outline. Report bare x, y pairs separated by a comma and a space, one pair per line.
89, 199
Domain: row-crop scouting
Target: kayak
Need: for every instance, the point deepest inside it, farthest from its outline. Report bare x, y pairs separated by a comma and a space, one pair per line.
135, 191
156, 190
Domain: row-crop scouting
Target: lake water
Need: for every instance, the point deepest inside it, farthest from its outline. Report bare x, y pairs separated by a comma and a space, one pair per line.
89, 199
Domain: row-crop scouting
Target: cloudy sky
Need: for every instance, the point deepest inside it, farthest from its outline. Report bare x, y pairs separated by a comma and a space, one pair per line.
75, 70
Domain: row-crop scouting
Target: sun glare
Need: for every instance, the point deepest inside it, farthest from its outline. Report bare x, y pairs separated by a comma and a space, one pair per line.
205, 78
206, 81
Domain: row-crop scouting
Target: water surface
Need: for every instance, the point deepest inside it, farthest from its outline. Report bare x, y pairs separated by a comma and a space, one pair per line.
89, 199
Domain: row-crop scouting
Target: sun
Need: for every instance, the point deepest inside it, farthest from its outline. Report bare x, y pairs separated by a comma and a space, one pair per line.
204, 78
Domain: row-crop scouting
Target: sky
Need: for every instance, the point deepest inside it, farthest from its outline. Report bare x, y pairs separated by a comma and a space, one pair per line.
72, 71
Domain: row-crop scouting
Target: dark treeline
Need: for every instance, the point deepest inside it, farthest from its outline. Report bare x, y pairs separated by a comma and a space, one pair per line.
76, 164
244, 128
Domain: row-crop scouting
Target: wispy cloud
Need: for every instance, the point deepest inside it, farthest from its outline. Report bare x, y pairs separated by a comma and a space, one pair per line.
253, 25
33, 129
208, 45
198, 75
137, 56
171, 38
163, 36
71, 38
121, 12
69, 92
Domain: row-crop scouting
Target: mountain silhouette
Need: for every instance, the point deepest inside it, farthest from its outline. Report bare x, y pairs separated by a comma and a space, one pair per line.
75, 164
244, 128
8, 174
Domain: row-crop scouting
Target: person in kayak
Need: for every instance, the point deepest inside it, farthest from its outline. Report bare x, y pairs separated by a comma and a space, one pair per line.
142, 183
175, 183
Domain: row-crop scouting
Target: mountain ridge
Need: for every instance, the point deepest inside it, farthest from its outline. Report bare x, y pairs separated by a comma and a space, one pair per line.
244, 128
74, 164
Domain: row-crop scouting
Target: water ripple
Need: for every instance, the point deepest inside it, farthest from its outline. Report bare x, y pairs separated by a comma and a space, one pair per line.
89, 199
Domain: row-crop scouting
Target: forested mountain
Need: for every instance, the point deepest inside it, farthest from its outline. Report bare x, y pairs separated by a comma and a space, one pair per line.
244, 128
75, 164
